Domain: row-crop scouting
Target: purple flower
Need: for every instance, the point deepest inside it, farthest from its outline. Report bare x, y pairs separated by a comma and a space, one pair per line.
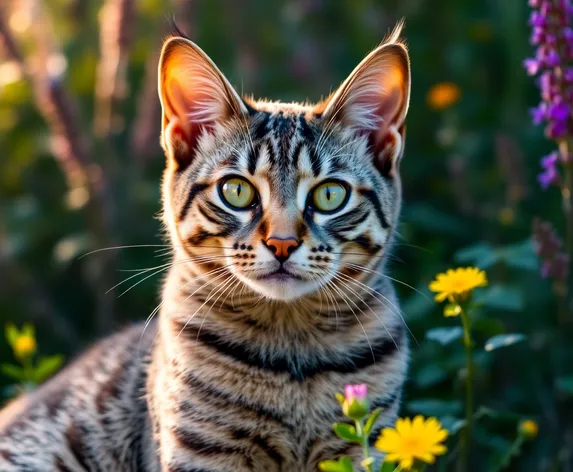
538, 114
556, 130
355, 391
537, 36
550, 160
548, 177
548, 246
552, 59
559, 112
537, 19
532, 66
552, 34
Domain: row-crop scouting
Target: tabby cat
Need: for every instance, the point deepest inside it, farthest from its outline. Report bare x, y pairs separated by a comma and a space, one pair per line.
280, 216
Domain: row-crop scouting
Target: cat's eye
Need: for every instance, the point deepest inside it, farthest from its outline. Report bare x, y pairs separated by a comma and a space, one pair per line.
238, 193
329, 196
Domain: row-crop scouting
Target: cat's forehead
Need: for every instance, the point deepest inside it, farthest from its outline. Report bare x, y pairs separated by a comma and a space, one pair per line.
275, 107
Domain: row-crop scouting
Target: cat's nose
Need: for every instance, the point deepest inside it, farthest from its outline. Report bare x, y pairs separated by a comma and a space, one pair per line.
282, 248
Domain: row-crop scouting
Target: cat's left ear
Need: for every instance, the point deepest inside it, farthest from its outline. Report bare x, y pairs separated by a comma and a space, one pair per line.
374, 99
195, 97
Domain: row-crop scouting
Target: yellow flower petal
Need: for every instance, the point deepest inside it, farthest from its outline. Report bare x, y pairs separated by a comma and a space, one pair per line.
412, 439
406, 462
457, 283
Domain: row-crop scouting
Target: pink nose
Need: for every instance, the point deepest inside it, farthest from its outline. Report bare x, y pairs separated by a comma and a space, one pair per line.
282, 248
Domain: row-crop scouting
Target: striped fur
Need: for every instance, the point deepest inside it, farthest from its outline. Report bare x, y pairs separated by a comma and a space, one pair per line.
239, 371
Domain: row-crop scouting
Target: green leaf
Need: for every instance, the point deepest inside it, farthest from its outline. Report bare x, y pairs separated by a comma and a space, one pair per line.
476, 254
452, 424
371, 420
46, 367
565, 385
445, 336
428, 217
28, 330
521, 255
433, 407
486, 412
13, 371
502, 297
388, 467
503, 340
346, 432
344, 464
430, 375
340, 398
12, 334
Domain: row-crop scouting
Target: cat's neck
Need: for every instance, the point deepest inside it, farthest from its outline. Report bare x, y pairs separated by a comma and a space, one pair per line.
223, 304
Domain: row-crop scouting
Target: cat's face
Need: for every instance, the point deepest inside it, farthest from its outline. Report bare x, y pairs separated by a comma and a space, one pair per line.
287, 198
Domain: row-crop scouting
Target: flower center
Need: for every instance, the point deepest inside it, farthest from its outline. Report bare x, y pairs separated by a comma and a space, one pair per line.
411, 445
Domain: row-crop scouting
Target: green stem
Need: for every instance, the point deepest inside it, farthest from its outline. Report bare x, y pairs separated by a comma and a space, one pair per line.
28, 369
511, 452
364, 443
468, 344
567, 198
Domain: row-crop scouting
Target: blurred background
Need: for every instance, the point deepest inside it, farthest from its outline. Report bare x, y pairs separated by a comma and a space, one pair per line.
80, 167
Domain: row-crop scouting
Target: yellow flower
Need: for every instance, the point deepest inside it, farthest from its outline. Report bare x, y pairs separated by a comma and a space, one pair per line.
528, 429
443, 95
24, 346
412, 440
455, 285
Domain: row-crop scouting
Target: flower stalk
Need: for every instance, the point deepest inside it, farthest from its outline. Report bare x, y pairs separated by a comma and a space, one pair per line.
457, 286
469, 379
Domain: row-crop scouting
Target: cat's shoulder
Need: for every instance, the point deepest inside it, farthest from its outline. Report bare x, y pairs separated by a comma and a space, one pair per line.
112, 364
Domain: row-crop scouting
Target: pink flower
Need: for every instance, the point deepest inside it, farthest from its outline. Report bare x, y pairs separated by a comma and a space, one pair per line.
355, 391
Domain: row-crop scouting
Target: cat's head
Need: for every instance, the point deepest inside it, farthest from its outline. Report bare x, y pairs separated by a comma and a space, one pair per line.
285, 197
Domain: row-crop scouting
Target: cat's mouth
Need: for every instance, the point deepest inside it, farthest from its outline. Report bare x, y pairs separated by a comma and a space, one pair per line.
281, 274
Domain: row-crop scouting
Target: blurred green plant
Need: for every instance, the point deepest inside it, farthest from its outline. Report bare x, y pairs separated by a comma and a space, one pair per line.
30, 370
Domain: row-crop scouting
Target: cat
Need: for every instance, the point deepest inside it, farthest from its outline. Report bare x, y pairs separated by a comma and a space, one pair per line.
280, 218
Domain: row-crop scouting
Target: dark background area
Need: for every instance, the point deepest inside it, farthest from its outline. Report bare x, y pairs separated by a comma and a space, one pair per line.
80, 169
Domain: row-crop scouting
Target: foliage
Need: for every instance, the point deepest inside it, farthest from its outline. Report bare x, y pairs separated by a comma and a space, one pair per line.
29, 371
468, 175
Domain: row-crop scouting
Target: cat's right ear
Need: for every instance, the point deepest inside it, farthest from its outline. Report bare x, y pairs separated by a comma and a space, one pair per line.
194, 96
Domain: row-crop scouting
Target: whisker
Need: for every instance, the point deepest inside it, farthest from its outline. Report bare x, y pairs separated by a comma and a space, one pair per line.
376, 293
165, 246
344, 298
337, 276
207, 274
357, 266
200, 260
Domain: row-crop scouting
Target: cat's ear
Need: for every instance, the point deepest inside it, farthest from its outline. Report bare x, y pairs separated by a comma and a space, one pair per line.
194, 95
373, 101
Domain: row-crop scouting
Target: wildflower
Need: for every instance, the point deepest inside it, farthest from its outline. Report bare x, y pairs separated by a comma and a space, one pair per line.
24, 346
443, 95
548, 246
552, 35
456, 285
413, 440
354, 404
528, 429
550, 174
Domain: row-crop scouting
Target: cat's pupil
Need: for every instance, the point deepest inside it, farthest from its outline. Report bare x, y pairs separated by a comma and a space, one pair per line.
327, 193
239, 188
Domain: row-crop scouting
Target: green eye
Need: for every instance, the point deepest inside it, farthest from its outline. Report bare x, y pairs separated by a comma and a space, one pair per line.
329, 196
238, 192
